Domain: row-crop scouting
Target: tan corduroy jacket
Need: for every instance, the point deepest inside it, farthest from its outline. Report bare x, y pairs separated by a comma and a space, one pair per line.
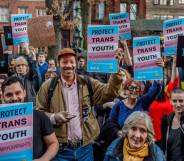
101, 94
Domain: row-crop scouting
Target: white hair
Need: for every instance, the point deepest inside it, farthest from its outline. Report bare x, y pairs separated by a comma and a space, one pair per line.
133, 120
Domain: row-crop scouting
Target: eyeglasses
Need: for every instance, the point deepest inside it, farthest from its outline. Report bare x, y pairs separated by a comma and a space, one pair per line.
136, 88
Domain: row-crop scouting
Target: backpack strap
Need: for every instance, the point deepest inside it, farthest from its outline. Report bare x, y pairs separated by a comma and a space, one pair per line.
51, 89
90, 89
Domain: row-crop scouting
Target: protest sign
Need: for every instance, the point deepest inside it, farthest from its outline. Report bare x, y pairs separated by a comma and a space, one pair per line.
121, 19
8, 35
41, 31
102, 43
171, 30
19, 28
180, 52
145, 51
16, 134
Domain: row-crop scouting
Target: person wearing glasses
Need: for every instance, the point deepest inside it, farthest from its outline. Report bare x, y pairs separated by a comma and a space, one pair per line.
134, 101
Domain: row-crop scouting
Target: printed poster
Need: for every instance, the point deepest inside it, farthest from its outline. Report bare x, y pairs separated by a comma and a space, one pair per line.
121, 19
19, 28
146, 50
171, 30
102, 43
16, 132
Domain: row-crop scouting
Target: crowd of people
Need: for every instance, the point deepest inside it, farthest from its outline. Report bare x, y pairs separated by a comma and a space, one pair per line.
82, 116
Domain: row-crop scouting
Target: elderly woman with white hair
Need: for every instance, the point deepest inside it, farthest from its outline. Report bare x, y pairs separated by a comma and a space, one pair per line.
137, 141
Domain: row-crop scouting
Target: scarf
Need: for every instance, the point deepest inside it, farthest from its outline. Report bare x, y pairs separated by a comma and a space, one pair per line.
134, 154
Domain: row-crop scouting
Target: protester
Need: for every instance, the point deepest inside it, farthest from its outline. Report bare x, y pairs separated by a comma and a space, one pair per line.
137, 141
134, 102
30, 76
161, 105
70, 109
11, 67
81, 65
172, 128
45, 144
42, 64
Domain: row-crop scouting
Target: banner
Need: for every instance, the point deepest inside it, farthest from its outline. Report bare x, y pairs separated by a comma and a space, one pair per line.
102, 43
121, 19
8, 35
41, 31
16, 134
180, 52
146, 50
19, 28
171, 30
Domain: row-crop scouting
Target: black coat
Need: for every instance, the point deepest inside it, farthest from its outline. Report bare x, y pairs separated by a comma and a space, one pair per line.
166, 126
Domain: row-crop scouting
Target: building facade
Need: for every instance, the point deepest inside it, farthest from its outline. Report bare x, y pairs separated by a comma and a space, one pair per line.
101, 9
164, 9
8, 7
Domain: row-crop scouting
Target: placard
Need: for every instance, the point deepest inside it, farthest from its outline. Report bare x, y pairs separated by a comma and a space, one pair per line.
121, 19
171, 30
146, 50
102, 43
16, 134
19, 28
41, 31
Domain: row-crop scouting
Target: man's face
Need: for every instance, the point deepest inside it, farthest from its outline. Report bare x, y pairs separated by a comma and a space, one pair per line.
51, 64
137, 135
81, 63
67, 65
177, 100
21, 67
41, 59
14, 93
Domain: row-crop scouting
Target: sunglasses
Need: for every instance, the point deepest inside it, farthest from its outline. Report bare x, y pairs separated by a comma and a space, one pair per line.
136, 88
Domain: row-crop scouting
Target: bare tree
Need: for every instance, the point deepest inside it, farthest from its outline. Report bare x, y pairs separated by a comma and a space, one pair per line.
62, 13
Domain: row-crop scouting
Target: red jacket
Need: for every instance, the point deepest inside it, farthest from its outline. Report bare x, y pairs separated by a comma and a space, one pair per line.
159, 109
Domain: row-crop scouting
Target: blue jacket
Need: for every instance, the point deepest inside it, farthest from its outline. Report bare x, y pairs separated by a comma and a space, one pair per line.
43, 69
115, 152
120, 111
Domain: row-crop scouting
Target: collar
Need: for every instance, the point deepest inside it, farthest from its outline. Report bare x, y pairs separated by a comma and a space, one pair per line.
65, 84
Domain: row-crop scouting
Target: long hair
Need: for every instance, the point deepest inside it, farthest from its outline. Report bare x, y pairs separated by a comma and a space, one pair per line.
134, 119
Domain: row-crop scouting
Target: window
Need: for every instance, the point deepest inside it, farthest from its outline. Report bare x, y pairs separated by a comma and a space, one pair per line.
181, 1
40, 12
133, 11
180, 16
4, 14
100, 10
22, 10
163, 2
156, 17
155, 1
162, 17
123, 7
